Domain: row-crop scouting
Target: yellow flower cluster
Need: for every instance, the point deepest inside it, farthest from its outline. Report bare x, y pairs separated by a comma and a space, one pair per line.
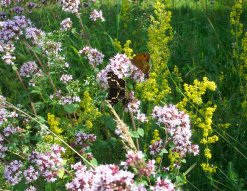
117, 45
127, 50
201, 114
236, 25
194, 92
160, 35
224, 126
208, 168
88, 112
207, 153
53, 123
209, 140
156, 136
206, 124
174, 158
149, 89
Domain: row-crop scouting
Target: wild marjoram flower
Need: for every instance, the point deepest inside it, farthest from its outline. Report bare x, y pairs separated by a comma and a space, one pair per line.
29, 68
133, 106
13, 172
34, 34
97, 15
177, 127
94, 56
121, 66
66, 24
103, 177
42, 164
10, 31
5, 3
71, 6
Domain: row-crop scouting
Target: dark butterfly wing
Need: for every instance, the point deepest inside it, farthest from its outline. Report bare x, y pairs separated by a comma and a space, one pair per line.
116, 88
113, 96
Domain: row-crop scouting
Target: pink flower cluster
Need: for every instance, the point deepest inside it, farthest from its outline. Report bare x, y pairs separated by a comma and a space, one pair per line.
12, 29
66, 24
7, 50
156, 147
3, 115
5, 3
17, 9
163, 185
137, 161
133, 106
94, 56
103, 177
71, 6
30, 174
3, 149
44, 164
3, 16
84, 139
48, 164
65, 78
9, 130
97, 15
121, 66
177, 124
13, 172
34, 34
64, 100
29, 68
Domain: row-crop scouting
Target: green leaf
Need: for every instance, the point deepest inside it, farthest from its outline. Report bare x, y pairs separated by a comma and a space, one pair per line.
41, 119
71, 108
180, 180
37, 50
94, 162
172, 145
48, 187
183, 161
14, 68
140, 131
108, 120
134, 134
20, 186
163, 151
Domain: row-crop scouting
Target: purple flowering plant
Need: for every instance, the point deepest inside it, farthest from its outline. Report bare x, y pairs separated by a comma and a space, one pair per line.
65, 135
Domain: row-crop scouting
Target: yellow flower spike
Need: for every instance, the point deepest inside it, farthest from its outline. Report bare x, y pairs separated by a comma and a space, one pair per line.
208, 168
207, 153
156, 87
127, 50
236, 25
88, 112
88, 124
117, 45
54, 123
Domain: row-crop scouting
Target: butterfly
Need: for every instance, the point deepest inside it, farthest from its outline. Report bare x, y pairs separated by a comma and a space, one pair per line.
141, 61
117, 89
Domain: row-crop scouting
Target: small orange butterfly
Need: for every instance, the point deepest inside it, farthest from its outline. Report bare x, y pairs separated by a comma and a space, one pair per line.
141, 61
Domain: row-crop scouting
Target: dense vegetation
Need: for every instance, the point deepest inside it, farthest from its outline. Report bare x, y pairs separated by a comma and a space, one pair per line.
179, 126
